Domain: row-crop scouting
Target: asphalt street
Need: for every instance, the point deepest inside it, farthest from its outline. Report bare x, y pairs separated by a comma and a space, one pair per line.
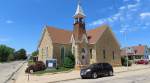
7, 69
138, 76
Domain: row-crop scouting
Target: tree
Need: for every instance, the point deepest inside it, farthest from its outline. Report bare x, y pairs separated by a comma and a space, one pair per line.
124, 61
20, 54
35, 53
69, 60
6, 53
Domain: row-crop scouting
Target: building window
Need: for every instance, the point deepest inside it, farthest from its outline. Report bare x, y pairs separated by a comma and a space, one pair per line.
73, 50
135, 51
104, 54
83, 57
62, 51
113, 55
91, 53
83, 50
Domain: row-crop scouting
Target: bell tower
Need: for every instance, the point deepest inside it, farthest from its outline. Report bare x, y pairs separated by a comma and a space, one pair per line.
79, 23
80, 41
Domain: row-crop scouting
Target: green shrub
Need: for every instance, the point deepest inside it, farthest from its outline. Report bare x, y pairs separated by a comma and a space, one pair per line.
69, 60
124, 61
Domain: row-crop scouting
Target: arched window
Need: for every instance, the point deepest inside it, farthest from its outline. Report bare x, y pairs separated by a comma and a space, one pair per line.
91, 53
104, 54
83, 50
113, 55
62, 54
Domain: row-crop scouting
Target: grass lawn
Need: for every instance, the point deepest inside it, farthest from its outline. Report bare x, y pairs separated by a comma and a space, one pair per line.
54, 70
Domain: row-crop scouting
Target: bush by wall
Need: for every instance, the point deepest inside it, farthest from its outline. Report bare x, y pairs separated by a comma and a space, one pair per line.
69, 60
124, 61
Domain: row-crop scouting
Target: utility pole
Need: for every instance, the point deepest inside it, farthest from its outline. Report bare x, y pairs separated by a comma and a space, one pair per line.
126, 48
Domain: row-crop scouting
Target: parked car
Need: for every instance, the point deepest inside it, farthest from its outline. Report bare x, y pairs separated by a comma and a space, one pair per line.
38, 66
142, 62
97, 69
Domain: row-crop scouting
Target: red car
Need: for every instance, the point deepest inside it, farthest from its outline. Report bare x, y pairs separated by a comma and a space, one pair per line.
142, 62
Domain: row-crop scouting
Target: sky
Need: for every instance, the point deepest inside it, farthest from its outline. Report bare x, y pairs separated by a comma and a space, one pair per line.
22, 21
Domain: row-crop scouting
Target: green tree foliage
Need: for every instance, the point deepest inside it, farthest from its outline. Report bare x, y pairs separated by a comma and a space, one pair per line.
35, 53
69, 60
6, 53
20, 54
124, 61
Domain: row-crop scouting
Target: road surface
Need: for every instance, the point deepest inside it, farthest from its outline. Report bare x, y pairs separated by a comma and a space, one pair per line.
138, 76
7, 69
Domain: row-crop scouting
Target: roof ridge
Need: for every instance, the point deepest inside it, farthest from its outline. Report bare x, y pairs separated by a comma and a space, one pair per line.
100, 27
57, 28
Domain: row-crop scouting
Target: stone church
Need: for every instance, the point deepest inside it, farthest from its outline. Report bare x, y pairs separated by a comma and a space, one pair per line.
87, 46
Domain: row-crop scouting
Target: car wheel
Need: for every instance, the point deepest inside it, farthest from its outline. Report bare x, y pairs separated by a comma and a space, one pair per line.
31, 71
83, 77
110, 73
94, 75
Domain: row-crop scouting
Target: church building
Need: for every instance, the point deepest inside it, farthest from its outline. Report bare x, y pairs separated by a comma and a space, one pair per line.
88, 46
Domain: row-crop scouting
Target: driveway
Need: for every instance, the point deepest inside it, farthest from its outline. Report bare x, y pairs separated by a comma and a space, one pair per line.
7, 69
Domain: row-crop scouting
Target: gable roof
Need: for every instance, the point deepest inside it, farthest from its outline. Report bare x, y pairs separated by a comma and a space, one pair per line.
59, 35
95, 34
136, 50
63, 36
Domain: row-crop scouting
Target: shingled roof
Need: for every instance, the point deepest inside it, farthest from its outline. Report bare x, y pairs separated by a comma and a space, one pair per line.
64, 36
95, 34
136, 50
59, 35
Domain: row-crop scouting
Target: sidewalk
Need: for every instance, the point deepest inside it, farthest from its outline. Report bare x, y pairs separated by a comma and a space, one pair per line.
51, 78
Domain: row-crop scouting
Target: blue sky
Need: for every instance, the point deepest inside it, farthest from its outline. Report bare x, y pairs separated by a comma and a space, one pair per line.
22, 21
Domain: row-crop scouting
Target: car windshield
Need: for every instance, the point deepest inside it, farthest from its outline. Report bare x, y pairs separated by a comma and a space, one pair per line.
92, 65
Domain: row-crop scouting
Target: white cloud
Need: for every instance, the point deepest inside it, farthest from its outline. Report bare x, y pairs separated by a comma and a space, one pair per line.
9, 21
132, 6
97, 22
126, 29
3, 40
145, 14
105, 20
121, 8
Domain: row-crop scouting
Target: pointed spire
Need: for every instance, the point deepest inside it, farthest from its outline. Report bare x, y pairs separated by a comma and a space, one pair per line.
79, 12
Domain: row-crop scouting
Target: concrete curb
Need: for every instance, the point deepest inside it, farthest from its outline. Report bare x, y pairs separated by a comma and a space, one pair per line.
80, 78
131, 70
54, 73
14, 72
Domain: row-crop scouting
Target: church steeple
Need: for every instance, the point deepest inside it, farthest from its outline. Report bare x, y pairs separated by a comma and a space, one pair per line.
79, 12
79, 24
